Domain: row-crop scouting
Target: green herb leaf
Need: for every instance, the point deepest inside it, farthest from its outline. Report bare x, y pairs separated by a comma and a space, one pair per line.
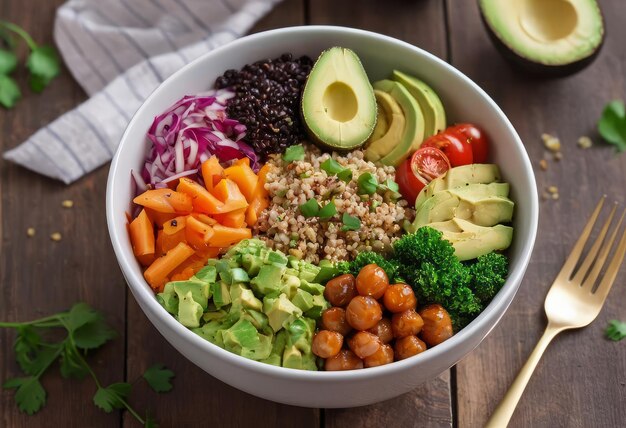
367, 184
81, 314
44, 65
616, 330
93, 335
71, 364
294, 153
350, 222
26, 346
389, 184
345, 175
612, 124
150, 423
30, 395
331, 166
8, 61
112, 397
43, 358
159, 378
9, 91
328, 211
310, 208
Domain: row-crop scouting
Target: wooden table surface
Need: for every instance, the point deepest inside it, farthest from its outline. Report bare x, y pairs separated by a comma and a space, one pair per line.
581, 381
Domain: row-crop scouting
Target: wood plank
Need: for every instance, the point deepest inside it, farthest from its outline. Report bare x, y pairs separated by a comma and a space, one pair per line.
430, 404
580, 381
39, 277
199, 399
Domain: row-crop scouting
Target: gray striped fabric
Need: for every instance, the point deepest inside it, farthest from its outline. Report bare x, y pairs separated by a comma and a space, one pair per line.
121, 50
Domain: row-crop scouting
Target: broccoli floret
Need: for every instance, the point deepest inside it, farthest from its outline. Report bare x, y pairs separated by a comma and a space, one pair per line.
368, 257
488, 275
429, 265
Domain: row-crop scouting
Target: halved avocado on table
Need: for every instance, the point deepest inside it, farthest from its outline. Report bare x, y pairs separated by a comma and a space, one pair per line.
553, 37
338, 104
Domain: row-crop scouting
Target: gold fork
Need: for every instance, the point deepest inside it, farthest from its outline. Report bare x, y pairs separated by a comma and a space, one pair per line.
572, 301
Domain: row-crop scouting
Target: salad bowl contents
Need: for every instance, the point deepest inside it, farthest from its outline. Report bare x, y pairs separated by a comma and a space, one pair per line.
312, 214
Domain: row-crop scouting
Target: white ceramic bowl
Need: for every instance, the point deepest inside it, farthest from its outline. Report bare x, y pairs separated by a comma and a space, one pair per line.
463, 100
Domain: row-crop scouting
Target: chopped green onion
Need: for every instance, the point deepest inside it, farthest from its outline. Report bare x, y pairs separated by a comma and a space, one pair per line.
367, 183
294, 153
328, 211
310, 208
331, 166
350, 223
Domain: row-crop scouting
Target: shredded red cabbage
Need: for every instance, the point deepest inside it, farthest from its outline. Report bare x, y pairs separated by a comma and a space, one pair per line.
188, 133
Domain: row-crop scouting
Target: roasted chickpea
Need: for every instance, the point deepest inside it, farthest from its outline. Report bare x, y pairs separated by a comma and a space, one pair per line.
334, 319
399, 298
344, 360
407, 323
339, 291
408, 346
383, 330
372, 281
363, 312
437, 324
383, 356
326, 343
364, 344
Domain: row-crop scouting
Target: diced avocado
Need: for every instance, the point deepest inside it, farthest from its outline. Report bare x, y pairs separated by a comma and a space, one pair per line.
168, 298
261, 350
381, 145
251, 263
312, 287
325, 274
475, 173
207, 274
308, 272
234, 275
189, 311
249, 300
198, 289
210, 331
290, 285
273, 359
338, 105
291, 271
217, 315
309, 361
319, 305
276, 258
258, 319
470, 241
268, 280
244, 339
280, 311
292, 358
300, 333
221, 294
303, 300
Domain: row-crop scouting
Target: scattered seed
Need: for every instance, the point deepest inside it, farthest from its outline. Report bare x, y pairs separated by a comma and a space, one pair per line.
551, 142
553, 189
555, 196
68, 203
56, 236
585, 142
30, 232
558, 156
543, 164
545, 196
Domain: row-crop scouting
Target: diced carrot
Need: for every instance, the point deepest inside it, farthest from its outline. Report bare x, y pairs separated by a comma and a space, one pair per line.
158, 218
204, 218
243, 161
194, 263
142, 238
235, 218
244, 177
166, 242
186, 273
197, 233
256, 207
228, 192
158, 271
165, 201
158, 245
226, 236
211, 169
203, 201
175, 225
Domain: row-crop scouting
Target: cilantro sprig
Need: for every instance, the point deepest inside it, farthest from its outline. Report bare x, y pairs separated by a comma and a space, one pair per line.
42, 63
612, 124
616, 330
332, 167
85, 330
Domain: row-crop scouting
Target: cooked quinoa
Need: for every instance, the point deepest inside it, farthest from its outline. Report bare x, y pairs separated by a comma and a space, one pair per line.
284, 228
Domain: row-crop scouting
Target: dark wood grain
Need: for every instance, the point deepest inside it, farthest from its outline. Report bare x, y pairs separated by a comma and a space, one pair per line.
581, 380
430, 404
39, 277
199, 399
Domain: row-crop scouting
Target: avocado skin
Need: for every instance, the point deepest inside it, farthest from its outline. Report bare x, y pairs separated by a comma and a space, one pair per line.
535, 68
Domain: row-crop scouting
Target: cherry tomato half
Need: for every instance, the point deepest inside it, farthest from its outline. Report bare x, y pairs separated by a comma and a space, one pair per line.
477, 139
454, 145
426, 164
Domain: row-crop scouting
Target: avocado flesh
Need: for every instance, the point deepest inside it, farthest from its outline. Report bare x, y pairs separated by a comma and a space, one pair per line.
413, 134
428, 100
546, 37
338, 104
380, 147
471, 241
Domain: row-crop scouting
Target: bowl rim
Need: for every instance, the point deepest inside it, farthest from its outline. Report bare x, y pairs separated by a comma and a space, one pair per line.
484, 321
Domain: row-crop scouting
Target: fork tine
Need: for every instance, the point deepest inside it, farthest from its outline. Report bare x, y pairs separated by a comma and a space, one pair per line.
582, 270
612, 270
571, 261
597, 266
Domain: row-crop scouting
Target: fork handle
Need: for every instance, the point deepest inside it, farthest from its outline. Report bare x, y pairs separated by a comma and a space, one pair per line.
500, 418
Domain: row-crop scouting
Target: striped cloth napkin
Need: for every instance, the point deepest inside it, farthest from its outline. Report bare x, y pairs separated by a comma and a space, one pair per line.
119, 51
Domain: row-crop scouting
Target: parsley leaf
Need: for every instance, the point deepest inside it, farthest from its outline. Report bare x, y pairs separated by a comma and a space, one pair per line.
30, 395
159, 378
328, 211
345, 175
112, 397
310, 208
8, 61
367, 184
44, 65
612, 124
9, 91
616, 330
350, 223
294, 153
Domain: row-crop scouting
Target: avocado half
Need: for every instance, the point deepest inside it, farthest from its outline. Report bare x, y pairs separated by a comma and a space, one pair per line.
548, 37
